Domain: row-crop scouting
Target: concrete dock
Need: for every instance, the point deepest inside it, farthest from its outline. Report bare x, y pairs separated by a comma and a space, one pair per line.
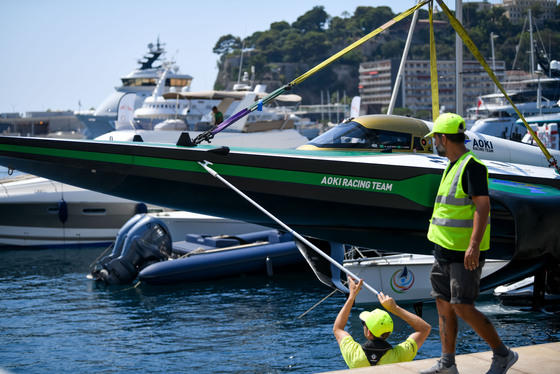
534, 359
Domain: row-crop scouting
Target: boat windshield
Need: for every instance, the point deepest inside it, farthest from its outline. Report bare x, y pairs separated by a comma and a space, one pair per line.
354, 135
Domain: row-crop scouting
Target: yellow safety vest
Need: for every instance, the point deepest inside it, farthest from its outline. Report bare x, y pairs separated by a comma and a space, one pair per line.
451, 224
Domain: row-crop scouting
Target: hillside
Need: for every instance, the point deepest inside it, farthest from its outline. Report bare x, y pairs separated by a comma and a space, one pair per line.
285, 51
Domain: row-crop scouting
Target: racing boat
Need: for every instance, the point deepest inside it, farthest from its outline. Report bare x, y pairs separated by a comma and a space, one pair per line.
369, 192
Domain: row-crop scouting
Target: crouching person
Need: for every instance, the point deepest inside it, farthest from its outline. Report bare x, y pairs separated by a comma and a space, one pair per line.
378, 325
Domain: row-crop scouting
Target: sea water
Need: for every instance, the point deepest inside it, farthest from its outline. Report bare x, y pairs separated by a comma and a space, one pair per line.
54, 319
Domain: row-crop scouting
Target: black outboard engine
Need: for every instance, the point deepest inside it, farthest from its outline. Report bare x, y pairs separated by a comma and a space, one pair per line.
142, 241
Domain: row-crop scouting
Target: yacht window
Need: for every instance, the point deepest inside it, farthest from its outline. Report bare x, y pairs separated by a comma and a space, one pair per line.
177, 82
93, 211
354, 135
499, 114
128, 82
52, 210
135, 82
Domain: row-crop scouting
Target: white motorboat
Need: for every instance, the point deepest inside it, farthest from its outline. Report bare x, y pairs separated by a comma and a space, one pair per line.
37, 212
495, 116
404, 277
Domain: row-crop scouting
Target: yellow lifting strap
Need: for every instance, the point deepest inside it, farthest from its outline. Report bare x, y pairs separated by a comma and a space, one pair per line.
357, 43
470, 45
433, 65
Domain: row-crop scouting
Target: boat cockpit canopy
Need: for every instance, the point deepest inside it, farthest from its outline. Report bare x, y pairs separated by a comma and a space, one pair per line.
375, 133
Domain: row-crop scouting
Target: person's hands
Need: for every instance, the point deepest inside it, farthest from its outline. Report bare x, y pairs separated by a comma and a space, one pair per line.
472, 256
387, 301
354, 287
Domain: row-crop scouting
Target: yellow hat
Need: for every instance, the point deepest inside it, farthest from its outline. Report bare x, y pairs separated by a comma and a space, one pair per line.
378, 322
448, 123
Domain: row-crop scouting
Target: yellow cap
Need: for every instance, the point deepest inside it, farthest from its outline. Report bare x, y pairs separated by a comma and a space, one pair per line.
378, 322
448, 123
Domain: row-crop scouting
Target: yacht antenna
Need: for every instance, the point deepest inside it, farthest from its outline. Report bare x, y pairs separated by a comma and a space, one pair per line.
531, 41
517, 48
240, 63
458, 61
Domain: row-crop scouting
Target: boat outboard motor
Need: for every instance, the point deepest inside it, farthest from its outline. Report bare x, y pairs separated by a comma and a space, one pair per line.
142, 241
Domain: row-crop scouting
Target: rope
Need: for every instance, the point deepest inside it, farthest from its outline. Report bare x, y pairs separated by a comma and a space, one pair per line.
110, 247
325, 298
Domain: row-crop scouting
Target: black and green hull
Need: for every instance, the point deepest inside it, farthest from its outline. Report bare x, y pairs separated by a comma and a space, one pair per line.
381, 201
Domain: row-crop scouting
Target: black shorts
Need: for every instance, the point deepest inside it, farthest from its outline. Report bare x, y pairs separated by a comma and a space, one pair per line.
455, 284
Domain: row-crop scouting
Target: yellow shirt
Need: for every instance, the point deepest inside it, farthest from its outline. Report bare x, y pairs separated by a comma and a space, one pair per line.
355, 357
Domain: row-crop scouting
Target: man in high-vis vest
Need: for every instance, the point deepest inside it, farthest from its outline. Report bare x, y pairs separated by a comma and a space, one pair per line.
460, 230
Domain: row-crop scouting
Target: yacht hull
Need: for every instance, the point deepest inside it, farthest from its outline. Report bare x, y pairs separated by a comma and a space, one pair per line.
39, 225
36, 212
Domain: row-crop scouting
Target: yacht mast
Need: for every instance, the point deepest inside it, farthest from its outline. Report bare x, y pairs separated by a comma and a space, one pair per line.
459, 60
531, 41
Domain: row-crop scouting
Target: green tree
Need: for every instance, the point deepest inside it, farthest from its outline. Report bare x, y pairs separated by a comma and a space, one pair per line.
370, 18
315, 35
313, 20
227, 44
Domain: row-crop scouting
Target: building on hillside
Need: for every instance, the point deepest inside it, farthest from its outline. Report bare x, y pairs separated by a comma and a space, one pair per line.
377, 78
481, 5
516, 10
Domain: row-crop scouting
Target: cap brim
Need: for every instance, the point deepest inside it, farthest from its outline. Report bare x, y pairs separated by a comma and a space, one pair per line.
429, 134
364, 315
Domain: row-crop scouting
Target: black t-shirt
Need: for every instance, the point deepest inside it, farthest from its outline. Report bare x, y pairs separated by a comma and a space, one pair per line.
475, 183
474, 178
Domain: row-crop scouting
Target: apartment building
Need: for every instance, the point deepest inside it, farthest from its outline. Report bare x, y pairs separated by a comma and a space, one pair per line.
377, 79
516, 10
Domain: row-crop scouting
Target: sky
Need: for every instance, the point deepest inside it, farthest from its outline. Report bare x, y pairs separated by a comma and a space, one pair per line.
60, 54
